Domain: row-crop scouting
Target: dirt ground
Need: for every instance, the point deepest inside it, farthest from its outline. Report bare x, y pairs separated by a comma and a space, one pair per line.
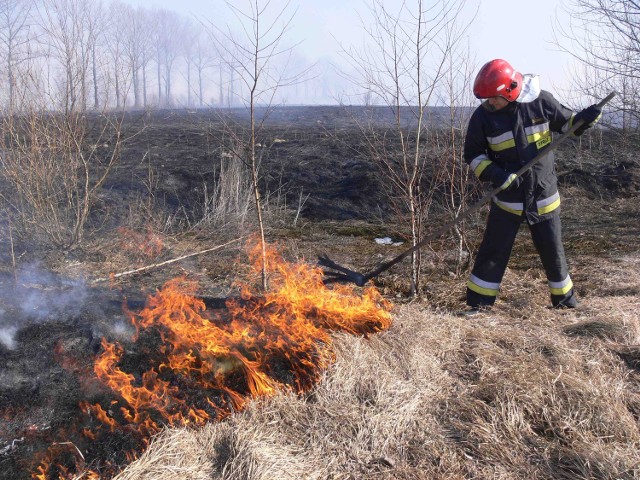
68, 300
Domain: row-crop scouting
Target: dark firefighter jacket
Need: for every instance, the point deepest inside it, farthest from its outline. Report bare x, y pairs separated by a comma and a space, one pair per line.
511, 137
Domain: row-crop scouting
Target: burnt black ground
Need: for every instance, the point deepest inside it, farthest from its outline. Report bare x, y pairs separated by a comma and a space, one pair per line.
313, 151
319, 151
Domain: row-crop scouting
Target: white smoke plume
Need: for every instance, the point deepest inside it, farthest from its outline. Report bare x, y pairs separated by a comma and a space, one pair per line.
44, 294
7, 336
35, 295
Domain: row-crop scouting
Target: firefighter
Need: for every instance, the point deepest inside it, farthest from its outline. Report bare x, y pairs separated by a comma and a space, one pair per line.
511, 126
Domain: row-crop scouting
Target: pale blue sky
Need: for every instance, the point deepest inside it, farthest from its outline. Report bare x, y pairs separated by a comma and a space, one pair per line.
521, 34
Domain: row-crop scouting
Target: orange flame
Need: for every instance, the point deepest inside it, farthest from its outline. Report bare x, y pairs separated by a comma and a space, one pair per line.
238, 357
48, 469
263, 343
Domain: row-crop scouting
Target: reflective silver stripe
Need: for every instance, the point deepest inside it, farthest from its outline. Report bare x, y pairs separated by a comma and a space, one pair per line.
476, 161
512, 207
500, 138
548, 201
561, 288
487, 289
543, 127
483, 283
561, 284
549, 204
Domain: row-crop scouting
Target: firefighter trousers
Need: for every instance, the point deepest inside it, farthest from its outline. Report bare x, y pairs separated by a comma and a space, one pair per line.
494, 252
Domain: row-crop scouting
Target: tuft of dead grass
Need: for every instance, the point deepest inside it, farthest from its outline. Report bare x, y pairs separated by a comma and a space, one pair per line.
539, 399
174, 453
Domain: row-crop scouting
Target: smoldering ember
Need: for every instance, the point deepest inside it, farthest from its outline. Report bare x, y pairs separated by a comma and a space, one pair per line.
111, 341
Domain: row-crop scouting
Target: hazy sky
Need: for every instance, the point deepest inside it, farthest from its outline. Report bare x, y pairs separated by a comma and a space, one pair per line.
521, 34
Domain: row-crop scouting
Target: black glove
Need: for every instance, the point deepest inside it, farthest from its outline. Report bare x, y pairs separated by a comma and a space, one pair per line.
590, 115
505, 180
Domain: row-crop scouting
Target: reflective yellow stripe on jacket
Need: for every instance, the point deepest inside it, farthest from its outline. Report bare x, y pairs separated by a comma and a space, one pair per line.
501, 142
544, 205
538, 134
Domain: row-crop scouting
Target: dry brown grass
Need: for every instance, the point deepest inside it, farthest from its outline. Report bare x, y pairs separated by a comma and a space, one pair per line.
521, 392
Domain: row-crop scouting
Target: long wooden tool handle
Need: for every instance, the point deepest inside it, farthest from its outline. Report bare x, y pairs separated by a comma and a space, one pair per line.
485, 199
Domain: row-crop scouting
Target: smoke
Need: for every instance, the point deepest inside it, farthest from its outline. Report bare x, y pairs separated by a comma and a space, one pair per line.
36, 295
122, 330
44, 294
7, 335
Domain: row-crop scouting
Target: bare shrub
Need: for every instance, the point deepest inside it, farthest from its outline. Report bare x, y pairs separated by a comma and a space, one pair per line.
53, 167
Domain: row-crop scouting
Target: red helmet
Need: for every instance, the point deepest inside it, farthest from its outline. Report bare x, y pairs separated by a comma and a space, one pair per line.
497, 78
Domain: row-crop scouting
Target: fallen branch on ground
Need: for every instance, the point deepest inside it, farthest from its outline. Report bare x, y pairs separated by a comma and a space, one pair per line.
166, 262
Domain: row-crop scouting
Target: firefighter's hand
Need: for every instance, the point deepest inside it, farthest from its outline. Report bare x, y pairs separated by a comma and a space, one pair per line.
590, 116
506, 181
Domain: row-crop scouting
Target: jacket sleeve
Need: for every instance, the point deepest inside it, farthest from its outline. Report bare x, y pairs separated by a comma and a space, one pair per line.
475, 152
560, 117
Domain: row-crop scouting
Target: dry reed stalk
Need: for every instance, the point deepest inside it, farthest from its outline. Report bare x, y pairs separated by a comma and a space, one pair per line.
13, 254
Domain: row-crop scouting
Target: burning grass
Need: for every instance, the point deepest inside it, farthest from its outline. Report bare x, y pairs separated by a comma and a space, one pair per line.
521, 392
187, 365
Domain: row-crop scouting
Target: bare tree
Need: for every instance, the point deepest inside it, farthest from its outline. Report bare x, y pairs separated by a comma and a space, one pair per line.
95, 68
187, 48
405, 63
255, 58
157, 36
70, 33
202, 58
146, 37
604, 36
132, 29
120, 68
167, 39
96, 23
14, 38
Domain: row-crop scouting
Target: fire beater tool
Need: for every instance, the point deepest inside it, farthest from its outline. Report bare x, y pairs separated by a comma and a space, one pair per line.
343, 274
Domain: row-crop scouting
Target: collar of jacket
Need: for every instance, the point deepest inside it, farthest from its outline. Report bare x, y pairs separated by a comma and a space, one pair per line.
530, 88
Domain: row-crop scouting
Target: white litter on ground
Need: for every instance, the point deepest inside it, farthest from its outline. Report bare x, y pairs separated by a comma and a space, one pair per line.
387, 241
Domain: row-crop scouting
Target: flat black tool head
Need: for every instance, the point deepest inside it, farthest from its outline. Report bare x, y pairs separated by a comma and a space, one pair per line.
343, 274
